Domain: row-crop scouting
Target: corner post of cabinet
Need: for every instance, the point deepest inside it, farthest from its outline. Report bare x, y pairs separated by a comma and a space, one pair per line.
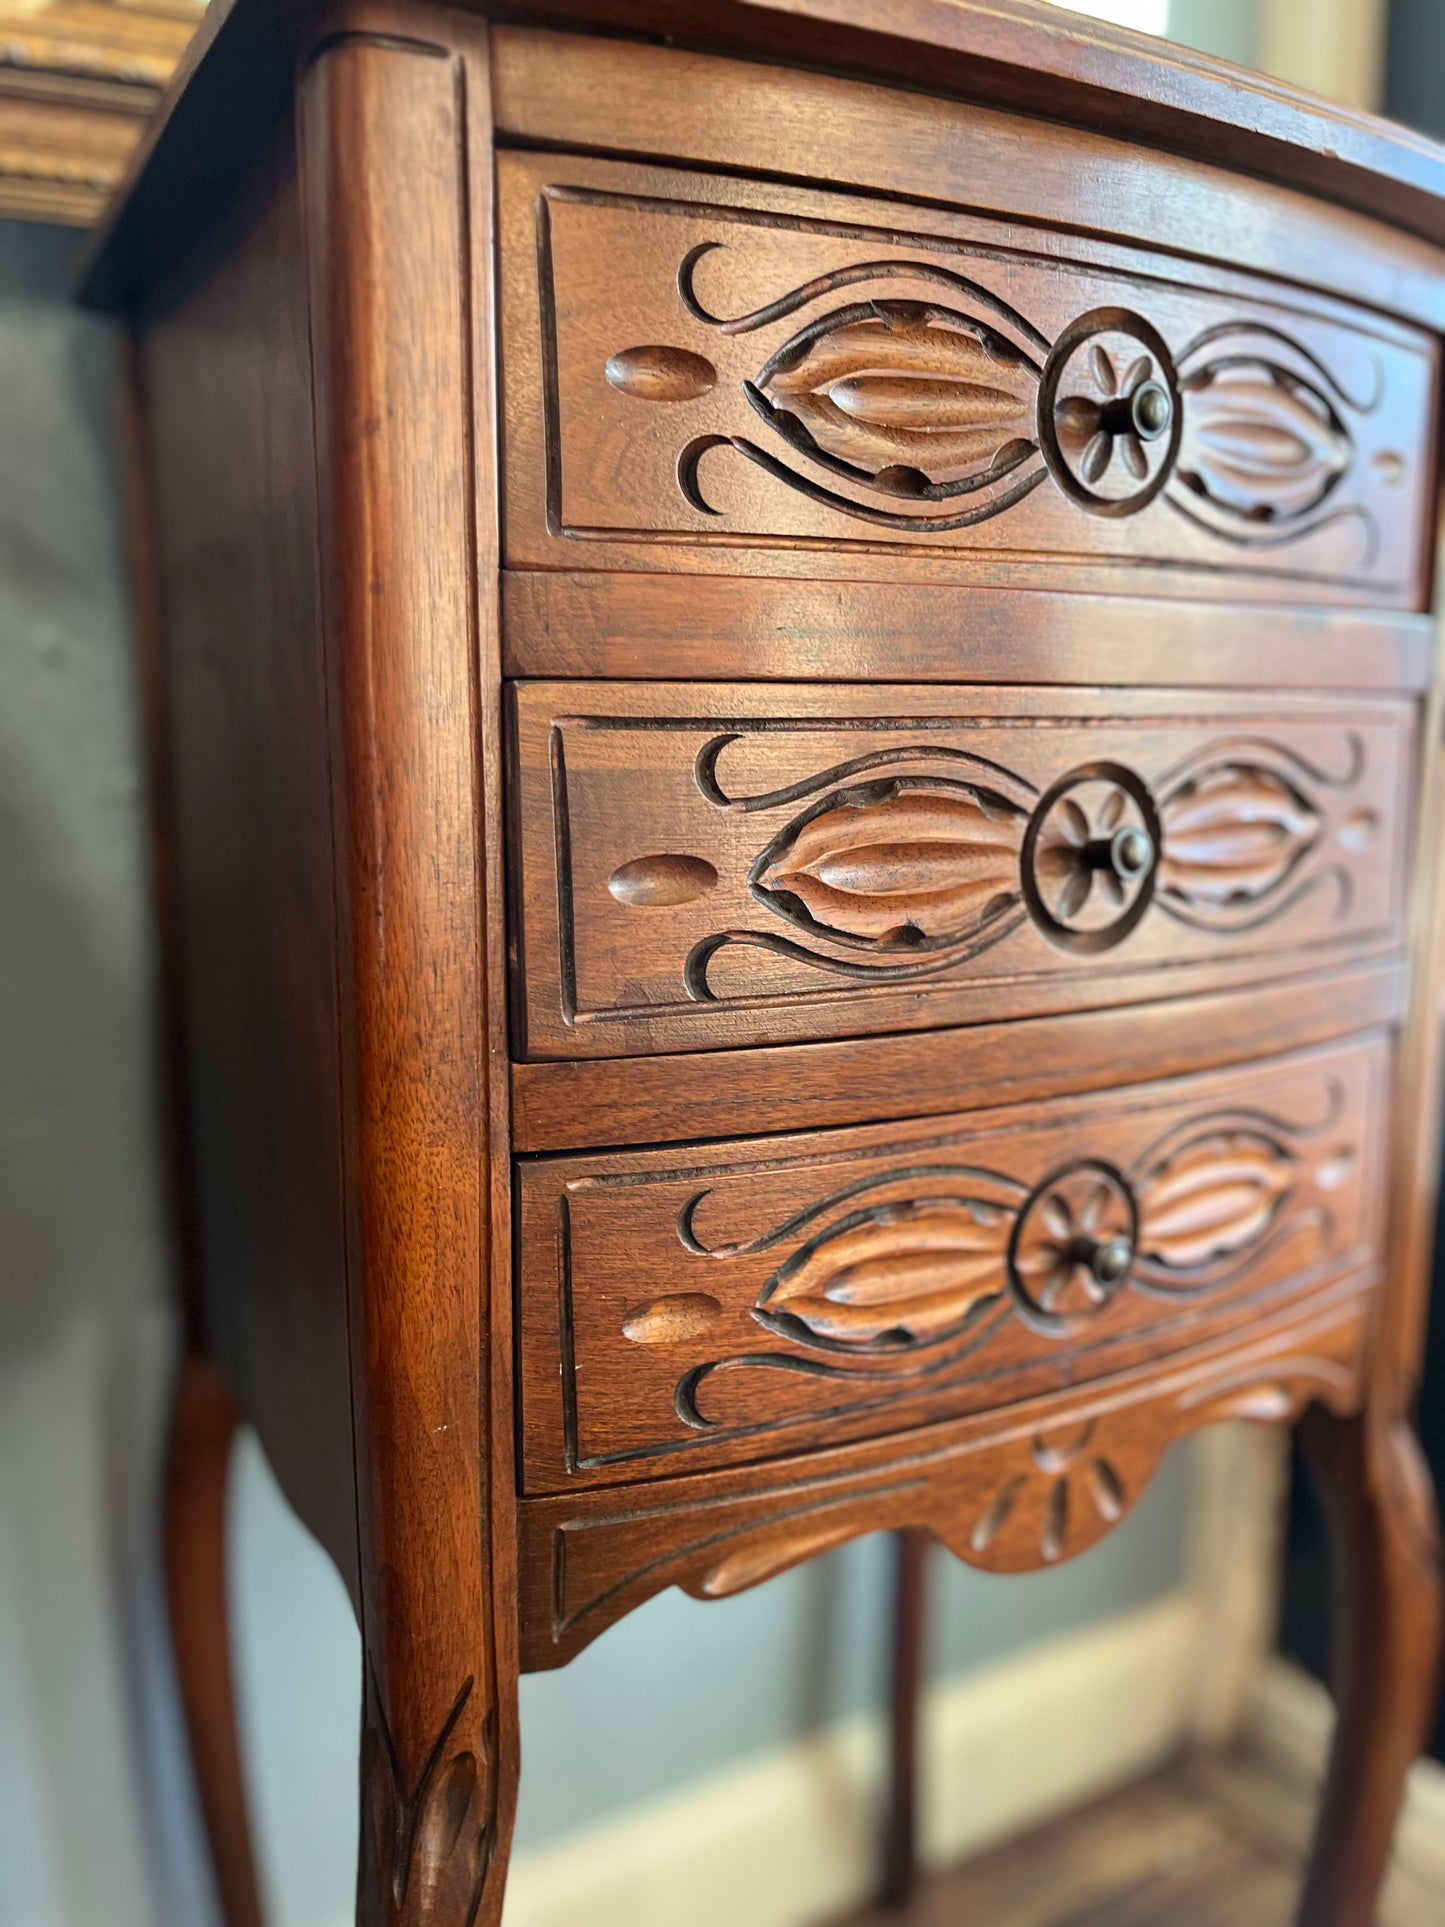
395, 141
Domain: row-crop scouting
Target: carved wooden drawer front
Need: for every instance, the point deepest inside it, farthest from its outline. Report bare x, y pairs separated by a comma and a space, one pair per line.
685, 1308
712, 865
736, 367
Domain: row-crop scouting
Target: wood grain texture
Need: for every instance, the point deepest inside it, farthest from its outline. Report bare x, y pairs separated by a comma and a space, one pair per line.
989, 933
720, 1303
656, 627
1017, 55
391, 221
788, 862
589, 1557
244, 808
941, 401
1383, 1512
573, 1105
1378, 1487
612, 96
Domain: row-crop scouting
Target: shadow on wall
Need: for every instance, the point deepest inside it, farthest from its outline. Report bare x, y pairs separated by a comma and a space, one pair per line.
83, 1334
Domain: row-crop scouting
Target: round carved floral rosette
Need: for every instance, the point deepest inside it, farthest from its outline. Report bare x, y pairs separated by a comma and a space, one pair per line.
1073, 1246
1090, 857
1109, 420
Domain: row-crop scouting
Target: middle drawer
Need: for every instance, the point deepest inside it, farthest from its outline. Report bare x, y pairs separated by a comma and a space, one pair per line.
716, 865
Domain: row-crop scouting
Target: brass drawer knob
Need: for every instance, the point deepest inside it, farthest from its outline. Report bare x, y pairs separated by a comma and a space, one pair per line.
1107, 1260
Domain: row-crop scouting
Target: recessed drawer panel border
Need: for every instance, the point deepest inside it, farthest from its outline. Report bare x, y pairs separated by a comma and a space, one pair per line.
724, 866
721, 1302
715, 375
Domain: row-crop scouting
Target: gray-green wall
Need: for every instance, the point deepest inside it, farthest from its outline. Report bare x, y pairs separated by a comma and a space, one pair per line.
1415, 65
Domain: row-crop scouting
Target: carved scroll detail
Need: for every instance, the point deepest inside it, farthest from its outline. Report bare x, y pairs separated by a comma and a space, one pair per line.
931, 415
916, 1269
894, 871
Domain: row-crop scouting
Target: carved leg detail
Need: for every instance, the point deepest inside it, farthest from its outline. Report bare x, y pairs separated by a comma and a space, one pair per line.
1386, 1536
203, 1426
428, 1840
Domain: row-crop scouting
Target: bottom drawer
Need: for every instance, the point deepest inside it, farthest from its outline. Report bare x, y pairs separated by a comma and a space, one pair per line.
721, 1303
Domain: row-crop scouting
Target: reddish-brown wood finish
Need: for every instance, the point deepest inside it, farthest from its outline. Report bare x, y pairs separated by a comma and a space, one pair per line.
587, 1104
1387, 1540
772, 863
728, 375
336, 847
222, 361
654, 627
1378, 1487
910, 1627
989, 1487
401, 422
605, 95
1020, 55
953, 997
198, 1459
729, 1301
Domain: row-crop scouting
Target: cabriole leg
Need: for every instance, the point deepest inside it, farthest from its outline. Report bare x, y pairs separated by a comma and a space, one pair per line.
1382, 1508
433, 1853
203, 1428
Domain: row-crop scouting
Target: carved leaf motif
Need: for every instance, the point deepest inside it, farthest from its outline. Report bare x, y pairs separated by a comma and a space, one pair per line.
1025, 1511
1213, 1198
431, 1841
1234, 834
904, 382
900, 864
910, 1274
1262, 442
452, 1841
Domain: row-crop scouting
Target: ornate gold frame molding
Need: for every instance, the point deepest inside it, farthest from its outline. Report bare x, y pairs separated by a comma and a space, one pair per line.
77, 80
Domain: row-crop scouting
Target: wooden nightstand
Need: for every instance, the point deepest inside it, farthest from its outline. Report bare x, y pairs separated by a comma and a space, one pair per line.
799, 749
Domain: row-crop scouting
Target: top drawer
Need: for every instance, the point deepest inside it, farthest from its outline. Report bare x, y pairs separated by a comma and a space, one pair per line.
710, 374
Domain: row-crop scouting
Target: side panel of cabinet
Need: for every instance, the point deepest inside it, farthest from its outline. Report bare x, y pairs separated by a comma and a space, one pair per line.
245, 860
